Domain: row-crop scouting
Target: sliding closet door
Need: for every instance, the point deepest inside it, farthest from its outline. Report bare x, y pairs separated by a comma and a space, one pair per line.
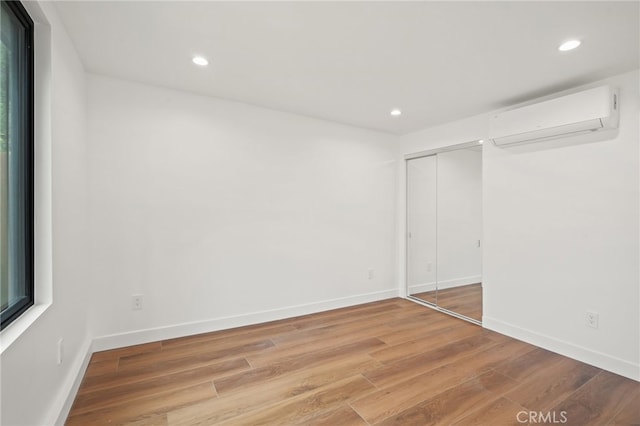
421, 228
459, 231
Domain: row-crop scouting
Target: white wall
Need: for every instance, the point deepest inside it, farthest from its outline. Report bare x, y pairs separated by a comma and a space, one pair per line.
221, 213
561, 236
34, 387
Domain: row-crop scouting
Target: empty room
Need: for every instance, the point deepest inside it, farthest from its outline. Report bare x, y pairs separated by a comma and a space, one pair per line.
319, 213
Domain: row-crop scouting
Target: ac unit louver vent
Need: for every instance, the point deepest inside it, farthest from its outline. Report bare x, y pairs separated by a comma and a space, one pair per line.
587, 111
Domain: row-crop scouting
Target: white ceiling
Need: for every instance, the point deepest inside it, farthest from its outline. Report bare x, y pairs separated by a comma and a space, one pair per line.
352, 62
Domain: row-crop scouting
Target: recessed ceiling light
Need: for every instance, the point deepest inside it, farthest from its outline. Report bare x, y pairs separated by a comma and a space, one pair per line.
200, 60
396, 112
481, 141
569, 45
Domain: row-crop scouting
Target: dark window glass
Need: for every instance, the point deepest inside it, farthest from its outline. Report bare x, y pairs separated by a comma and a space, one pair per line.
16, 162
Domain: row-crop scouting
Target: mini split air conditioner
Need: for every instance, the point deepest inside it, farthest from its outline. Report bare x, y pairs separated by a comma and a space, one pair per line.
588, 111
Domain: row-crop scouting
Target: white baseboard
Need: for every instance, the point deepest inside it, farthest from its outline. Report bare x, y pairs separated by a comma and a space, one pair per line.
61, 407
588, 356
186, 329
422, 288
457, 282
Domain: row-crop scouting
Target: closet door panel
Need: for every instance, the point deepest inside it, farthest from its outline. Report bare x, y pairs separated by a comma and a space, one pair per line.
459, 231
421, 228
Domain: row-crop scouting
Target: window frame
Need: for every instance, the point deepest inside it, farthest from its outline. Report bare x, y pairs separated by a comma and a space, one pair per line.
27, 123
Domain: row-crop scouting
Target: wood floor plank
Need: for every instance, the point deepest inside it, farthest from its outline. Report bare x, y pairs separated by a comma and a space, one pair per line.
343, 416
298, 409
109, 381
296, 362
90, 401
375, 324
421, 363
417, 317
419, 332
339, 338
495, 355
391, 400
264, 393
629, 414
529, 364
148, 407
502, 411
203, 353
152, 420
599, 400
427, 342
98, 368
550, 386
418, 325
453, 404
223, 341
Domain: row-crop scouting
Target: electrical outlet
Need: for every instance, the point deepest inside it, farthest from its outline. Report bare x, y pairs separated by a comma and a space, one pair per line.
592, 319
429, 266
370, 274
60, 350
136, 302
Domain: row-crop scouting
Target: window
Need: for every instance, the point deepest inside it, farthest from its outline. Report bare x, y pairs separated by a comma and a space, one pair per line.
16, 162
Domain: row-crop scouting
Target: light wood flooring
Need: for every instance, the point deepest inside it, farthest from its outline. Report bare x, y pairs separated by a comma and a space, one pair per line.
392, 362
465, 300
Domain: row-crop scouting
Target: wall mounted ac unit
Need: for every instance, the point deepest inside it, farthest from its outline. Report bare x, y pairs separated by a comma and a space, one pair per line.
587, 111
